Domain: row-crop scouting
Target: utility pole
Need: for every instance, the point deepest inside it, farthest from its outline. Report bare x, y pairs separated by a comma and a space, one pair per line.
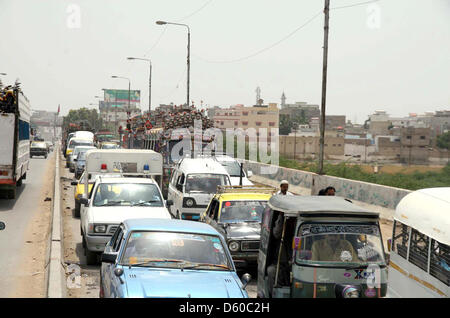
324, 85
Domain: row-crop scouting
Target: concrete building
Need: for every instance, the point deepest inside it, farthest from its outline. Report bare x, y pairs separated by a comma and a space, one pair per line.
304, 147
264, 116
415, 144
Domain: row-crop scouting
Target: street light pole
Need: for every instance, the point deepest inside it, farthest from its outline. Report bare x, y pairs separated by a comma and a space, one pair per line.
149, 81
188, 55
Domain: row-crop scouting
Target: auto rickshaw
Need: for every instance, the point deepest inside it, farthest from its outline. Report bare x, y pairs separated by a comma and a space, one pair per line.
320, 246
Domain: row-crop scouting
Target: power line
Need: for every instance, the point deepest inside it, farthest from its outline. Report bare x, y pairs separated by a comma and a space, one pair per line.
195, 12
266, 48
354, 5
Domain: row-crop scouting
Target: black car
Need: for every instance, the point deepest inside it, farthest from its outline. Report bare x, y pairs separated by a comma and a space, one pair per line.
38, 148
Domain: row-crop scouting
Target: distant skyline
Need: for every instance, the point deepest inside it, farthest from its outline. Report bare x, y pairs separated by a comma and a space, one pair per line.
391, 55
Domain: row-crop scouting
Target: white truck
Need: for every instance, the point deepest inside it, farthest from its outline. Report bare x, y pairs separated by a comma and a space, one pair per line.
15, 113
134, 194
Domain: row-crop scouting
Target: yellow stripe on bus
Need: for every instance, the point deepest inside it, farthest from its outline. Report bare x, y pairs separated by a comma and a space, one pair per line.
417, 279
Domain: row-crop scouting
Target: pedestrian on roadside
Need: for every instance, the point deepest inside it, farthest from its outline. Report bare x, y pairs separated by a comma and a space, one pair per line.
330, 191
284, 186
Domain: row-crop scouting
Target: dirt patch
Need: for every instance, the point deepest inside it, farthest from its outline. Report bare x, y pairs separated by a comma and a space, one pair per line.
393, 169
33, 264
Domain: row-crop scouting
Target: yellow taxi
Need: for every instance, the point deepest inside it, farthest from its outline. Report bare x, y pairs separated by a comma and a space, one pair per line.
236, 212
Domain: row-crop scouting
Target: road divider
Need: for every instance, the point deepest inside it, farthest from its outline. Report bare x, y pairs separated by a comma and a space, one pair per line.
56, 287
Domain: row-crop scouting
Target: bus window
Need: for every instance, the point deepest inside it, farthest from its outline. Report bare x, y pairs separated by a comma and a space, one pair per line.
440, 262
418, 251
400, 239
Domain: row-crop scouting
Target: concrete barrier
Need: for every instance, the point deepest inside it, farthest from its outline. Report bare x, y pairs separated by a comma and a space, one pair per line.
375, 197
56, 277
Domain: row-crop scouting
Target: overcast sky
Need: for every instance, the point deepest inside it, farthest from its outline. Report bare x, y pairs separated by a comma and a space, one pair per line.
391, 55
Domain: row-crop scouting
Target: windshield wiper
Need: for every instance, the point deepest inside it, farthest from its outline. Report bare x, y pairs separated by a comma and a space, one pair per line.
156, 260
206, 264
145, 202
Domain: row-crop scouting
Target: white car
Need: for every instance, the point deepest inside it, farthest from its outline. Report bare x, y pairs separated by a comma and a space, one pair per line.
193, 183
111, 202
234, 169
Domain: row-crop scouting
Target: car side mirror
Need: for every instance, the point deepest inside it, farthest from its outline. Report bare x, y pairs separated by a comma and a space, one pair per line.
246, 278
249, 173
108, 258
74, 183
84, 201
2, 226
169, 202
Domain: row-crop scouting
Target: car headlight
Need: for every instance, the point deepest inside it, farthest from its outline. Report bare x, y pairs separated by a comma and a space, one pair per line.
234, 246
189, 202
99, 228
350, 292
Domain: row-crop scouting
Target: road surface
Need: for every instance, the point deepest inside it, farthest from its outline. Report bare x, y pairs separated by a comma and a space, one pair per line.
24, 242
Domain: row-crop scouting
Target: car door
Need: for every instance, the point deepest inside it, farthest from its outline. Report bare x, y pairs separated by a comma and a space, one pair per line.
179, 190
105, 271
171, 193
84, 210
116, 285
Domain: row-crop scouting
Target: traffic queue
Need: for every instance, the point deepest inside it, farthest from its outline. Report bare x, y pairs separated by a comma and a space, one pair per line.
212, 228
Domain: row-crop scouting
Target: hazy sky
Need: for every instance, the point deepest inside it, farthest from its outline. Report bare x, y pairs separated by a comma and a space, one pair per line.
392, 55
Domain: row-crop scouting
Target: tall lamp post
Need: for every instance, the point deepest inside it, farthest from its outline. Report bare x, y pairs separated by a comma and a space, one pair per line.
188, 53
149, 81
129, 88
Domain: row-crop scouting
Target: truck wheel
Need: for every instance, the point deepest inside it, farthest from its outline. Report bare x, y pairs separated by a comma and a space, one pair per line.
45, 156
12, 194
91, 257
19, 183
77, 209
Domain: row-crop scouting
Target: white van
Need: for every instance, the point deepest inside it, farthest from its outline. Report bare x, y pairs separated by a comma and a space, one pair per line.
74, 142
112, 200
84, 135
193, 183
419, 263
233, 167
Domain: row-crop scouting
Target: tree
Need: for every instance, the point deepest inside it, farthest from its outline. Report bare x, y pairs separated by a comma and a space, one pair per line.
88, 118
443, 141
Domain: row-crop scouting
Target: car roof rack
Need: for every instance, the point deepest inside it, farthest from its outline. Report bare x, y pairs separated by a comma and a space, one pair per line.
246, 189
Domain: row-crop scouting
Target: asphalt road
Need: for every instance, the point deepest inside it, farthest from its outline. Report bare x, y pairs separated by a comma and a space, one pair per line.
18, 214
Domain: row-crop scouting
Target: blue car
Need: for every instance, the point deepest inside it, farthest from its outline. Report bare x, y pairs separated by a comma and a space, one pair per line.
169, 258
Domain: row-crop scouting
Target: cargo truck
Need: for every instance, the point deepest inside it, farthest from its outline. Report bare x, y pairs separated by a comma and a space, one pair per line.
15, 113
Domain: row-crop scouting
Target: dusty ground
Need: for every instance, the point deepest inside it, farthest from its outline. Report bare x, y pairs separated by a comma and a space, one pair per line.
86, 279
33, 267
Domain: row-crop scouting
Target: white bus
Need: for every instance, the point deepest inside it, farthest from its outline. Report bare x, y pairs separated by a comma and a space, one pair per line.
420, 257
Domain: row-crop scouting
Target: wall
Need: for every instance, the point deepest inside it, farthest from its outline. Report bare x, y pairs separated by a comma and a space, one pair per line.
379, 198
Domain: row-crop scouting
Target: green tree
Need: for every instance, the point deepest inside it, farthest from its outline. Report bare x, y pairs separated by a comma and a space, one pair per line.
443, 141
88, 118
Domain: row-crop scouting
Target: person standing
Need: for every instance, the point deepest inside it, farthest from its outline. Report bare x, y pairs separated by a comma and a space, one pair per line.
284, 186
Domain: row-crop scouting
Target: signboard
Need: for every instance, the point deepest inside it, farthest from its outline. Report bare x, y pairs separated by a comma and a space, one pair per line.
121, 95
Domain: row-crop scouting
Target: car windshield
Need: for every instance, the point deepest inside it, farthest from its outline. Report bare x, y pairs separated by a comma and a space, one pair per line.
242, 211
110, 146
78, 150
175, 250
341, 245
127, 194
233, 168
75, 143
204, 182
81, 156
39, 145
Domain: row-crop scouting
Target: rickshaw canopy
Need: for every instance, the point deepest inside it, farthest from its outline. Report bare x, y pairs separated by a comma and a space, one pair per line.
293, 206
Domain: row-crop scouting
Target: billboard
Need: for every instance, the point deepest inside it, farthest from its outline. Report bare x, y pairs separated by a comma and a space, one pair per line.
120, 96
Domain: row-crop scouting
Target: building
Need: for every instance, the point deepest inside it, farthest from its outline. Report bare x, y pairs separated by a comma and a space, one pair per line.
239, 116
415, 144
307, 147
